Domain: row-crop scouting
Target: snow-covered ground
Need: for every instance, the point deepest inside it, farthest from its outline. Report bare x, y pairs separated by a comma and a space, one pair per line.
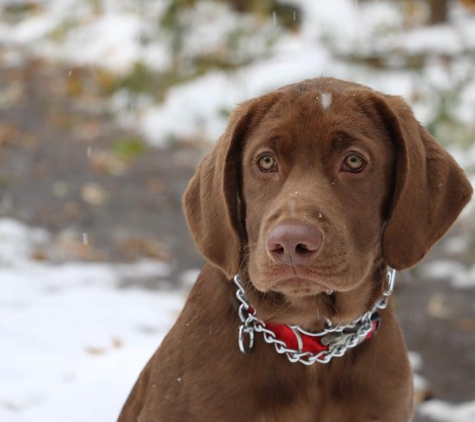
445, 412
71, 342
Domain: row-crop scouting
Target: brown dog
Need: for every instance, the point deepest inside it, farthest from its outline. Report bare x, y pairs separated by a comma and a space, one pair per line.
313, 191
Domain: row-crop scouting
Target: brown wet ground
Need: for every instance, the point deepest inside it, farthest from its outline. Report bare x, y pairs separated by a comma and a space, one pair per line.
65, 166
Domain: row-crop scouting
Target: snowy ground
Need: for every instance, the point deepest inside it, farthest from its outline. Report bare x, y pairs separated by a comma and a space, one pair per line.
69, 335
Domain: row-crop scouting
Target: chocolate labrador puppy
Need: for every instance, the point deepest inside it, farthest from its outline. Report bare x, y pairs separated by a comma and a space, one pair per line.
310, 199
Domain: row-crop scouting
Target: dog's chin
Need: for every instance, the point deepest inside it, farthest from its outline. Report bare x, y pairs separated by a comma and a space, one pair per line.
299, 287
295, 302
304, 301
308, 311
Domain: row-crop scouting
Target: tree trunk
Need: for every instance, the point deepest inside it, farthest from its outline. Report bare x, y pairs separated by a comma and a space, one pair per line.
438, 11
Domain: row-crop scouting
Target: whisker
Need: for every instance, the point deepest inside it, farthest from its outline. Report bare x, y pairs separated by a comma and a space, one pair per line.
244, 264
284, 307
328, 299
248, 245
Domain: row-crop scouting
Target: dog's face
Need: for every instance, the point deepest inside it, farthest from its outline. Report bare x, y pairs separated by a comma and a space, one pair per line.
317, 187
317, 182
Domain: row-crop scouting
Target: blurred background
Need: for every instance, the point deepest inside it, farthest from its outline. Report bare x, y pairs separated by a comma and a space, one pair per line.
106, 108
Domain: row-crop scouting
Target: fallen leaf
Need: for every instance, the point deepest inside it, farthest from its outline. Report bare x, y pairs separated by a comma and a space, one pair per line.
39, 255
142, 246
92, 350
60, 189
465, 324
93, 194
155, 186
108, 162
437, 308
116, 342
9, 134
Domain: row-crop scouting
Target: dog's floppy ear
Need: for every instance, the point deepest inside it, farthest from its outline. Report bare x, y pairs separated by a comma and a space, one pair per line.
430, 188
211, 201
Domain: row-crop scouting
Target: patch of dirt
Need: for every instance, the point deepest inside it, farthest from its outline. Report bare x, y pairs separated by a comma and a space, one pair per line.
438, 322
63, 167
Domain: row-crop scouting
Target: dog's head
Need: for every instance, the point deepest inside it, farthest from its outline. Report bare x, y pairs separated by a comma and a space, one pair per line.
316, 187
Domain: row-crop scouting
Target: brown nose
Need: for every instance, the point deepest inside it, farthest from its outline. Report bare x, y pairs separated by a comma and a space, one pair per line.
293, 243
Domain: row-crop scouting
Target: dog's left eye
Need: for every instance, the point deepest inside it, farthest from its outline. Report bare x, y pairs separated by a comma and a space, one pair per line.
353, 163
267, 163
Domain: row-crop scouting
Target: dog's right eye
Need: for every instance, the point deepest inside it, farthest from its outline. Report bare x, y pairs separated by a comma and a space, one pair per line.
267, 163
354, 163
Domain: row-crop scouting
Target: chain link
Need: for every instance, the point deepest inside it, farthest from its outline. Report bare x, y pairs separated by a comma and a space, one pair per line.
338, 338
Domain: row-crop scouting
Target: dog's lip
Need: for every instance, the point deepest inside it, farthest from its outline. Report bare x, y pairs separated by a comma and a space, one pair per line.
295, 279
316, 286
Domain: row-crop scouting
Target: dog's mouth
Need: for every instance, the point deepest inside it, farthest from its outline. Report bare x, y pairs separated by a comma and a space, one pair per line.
309, 280
300, 287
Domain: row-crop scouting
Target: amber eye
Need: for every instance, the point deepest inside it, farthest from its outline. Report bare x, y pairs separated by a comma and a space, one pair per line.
267, 163
354, 163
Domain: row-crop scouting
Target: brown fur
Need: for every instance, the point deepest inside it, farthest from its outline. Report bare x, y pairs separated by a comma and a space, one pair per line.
407, 196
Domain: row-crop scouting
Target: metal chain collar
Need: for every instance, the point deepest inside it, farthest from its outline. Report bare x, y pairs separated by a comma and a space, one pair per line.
339, 338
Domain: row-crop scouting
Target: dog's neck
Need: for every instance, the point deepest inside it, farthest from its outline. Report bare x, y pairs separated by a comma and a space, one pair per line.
306, 347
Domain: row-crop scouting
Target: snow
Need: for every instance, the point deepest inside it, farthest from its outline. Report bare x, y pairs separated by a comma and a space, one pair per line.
208, 96
72, 31
70, 334
416, 360
311, 53
457, 244
18, 241
459, 275
420, 383
34, 28
189, 277
445, 412
326, 100
119, 34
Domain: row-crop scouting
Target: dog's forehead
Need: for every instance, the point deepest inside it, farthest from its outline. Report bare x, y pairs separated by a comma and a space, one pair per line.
322, 97
323, 110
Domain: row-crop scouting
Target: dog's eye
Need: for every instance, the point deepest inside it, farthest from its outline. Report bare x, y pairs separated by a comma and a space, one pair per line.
267, 163
354, 163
